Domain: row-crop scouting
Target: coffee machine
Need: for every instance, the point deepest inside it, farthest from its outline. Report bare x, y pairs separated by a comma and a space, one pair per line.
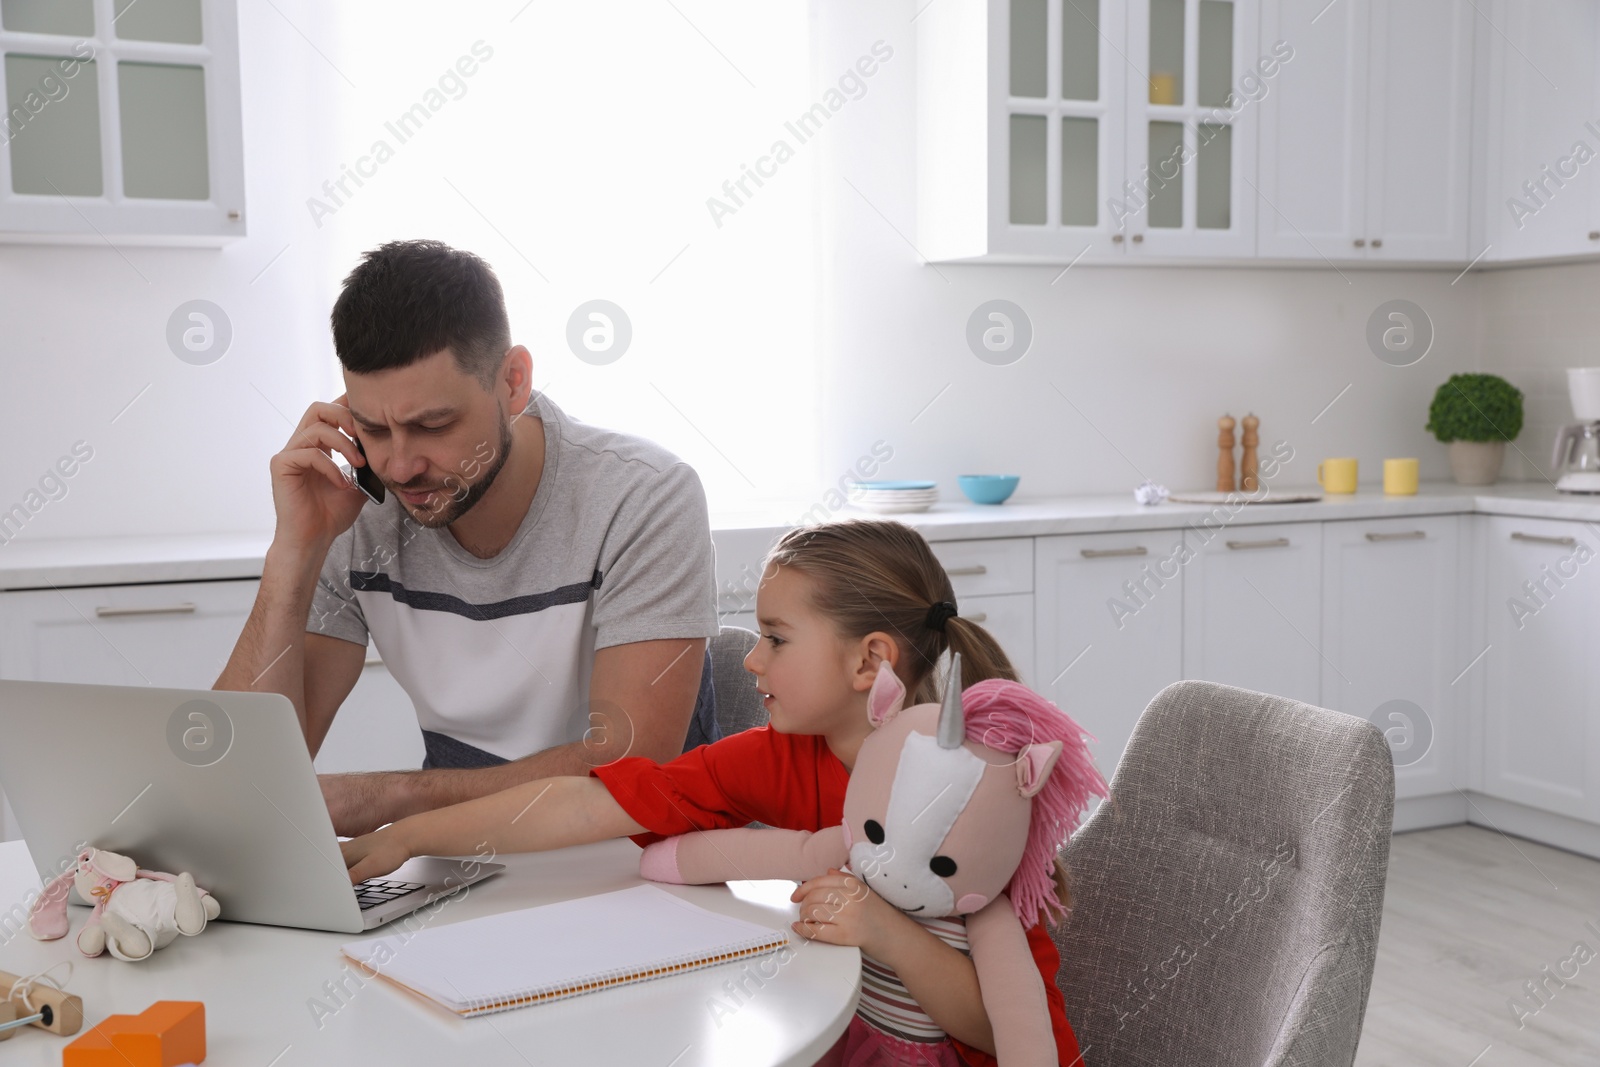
1576, 458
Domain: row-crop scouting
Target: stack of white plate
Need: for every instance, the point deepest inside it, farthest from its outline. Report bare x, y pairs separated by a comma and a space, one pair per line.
892, 498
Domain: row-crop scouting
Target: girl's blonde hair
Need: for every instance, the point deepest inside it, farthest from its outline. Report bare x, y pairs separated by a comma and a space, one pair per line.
877, 575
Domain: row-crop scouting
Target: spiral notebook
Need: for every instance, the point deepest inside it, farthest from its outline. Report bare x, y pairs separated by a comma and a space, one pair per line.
555, 951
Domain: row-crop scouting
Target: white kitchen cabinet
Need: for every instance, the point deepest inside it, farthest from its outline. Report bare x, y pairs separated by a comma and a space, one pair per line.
1390, 641
993, 581
1108, 610
1542, 706
1191, 133
1009, 620
1064, 129
1020, 128
1365, 132
177, 634
1419, 131
121, 123
1541, 200
376, 727
1251, 608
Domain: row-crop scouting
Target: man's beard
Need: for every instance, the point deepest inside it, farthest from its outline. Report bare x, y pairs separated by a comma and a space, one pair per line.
453, 502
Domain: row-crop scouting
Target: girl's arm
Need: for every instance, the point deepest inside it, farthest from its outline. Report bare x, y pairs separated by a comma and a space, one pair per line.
532, 817
839, 909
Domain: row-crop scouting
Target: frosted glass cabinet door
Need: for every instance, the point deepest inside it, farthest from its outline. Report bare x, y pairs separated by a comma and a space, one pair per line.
1059, 127
121, 122
1191, 128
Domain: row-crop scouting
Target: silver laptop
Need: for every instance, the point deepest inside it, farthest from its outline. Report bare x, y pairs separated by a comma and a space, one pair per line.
214, 783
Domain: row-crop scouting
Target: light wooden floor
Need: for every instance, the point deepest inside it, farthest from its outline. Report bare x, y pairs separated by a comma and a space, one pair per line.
1469, 916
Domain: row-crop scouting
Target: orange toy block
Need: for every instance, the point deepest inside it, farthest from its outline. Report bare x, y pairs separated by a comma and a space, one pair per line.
165, 1034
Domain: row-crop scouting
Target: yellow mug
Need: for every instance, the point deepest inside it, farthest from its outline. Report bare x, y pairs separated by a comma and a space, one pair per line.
1400, 477
1337, 475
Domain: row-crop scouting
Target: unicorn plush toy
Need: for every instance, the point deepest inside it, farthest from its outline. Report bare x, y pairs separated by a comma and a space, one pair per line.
135, 911
953, 814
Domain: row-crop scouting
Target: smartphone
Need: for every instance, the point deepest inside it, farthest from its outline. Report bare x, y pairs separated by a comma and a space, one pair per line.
367, 481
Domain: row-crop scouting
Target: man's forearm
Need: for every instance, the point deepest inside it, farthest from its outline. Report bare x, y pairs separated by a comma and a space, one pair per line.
418, 791
270, 653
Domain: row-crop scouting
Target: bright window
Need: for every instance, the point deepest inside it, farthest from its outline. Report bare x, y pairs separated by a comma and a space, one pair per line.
576, 147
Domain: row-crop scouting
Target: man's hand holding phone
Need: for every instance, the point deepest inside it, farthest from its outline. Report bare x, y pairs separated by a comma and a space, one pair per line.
315, 501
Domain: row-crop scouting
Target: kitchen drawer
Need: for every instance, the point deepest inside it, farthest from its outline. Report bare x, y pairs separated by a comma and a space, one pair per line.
176, 634
989, 567
1009, 620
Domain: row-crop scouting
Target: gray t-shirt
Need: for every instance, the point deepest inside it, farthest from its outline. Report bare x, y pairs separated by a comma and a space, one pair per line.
496, 653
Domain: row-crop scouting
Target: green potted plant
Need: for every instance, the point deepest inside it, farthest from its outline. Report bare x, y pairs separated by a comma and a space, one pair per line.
1476, 414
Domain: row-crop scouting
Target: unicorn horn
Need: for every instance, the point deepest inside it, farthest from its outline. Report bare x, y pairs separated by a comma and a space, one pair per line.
952, 720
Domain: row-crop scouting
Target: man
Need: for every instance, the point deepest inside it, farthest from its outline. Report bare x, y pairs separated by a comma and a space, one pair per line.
541, 588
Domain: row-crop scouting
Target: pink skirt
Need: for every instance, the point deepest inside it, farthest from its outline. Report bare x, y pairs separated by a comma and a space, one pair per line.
864, 1045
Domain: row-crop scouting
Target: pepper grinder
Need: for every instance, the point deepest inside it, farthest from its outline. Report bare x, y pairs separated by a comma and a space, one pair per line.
1225, 454
1247, 461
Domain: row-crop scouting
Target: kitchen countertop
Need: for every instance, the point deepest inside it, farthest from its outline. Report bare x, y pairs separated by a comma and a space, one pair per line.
121, 560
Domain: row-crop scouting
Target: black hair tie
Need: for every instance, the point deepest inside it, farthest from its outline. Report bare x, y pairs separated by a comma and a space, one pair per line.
938, 613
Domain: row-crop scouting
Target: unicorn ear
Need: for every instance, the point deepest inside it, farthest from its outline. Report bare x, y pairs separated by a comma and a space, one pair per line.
117, 867
47, 917
1034, 764
886, 697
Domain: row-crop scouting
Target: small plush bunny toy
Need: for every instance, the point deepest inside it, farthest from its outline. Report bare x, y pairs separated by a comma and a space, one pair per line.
953, 815
135, 911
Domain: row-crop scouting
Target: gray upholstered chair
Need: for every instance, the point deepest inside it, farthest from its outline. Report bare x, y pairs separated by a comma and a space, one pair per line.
738, 700
1226, 901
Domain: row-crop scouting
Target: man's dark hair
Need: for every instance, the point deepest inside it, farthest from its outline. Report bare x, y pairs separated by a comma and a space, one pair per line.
407, 300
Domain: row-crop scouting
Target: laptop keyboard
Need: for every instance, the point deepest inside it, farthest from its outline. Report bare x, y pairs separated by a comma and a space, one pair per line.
375, 891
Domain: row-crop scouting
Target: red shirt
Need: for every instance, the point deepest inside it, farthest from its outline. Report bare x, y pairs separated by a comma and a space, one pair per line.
791, 781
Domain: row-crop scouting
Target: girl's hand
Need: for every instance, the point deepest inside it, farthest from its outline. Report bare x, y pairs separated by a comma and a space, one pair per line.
375, 854
839, 909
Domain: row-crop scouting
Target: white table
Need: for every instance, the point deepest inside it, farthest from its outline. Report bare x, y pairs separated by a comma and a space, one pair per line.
260, 985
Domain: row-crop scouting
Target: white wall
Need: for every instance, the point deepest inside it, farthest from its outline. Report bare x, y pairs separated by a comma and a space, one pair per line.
1538, 321
82, 333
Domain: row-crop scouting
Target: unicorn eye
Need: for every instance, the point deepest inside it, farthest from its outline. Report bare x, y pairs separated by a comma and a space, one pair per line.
874, 831
943, 866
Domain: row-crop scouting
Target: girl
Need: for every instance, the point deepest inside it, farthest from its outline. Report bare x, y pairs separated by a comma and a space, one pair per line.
835, 601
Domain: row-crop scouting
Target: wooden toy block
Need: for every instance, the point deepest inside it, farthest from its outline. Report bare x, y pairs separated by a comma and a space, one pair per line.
65, 1010
166, 1034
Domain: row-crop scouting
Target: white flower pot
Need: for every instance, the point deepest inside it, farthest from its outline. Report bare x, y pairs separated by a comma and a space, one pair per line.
1476, 462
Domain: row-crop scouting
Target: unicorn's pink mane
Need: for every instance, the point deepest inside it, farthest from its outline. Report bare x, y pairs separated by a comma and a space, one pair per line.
1005, 716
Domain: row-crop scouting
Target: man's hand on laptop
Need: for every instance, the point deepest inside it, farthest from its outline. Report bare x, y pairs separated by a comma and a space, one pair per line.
374, 855
360, 803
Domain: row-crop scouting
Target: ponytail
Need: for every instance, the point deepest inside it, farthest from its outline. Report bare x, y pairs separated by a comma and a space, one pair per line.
877, 575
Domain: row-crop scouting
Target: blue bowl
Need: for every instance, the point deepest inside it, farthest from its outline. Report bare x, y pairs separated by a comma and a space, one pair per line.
988, 488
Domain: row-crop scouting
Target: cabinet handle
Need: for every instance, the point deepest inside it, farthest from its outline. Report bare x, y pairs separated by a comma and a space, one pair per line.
1361, 242
1568, 542
1377, 242
982, 616
164, 609
1276, 542
1100, 553
1138, 238
1594, 235
956, 572
1409, 535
